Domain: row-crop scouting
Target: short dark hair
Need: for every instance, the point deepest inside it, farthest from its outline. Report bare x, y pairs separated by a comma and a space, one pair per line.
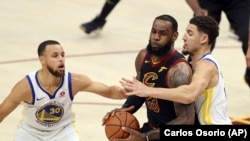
207, 25
42, 46
170, 19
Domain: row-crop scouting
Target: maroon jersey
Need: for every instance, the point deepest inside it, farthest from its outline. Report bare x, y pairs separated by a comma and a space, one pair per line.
153, 74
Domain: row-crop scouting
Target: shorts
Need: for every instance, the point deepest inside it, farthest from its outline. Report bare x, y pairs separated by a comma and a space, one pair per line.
28, 133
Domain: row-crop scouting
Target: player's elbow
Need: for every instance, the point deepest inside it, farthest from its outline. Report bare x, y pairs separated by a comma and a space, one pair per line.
189, 99
191, 95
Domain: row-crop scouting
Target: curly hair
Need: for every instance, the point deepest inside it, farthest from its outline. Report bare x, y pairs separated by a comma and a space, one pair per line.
207, 25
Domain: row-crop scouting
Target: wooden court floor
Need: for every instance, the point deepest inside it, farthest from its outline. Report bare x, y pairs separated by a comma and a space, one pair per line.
106, 58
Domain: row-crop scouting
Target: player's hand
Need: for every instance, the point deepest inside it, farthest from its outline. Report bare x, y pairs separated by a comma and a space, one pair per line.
112, 113
135, 87
201, 12
134, 135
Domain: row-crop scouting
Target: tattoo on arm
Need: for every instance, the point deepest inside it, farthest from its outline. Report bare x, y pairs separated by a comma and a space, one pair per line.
179, 77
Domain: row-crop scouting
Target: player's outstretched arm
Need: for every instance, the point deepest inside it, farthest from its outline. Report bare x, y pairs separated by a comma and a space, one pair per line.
19, 93
185, 94
84, 83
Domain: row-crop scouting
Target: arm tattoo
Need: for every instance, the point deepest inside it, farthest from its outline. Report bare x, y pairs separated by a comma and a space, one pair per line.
179, 77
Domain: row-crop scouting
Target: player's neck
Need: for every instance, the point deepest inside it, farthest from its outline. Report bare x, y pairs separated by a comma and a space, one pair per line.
47, 80
157, 59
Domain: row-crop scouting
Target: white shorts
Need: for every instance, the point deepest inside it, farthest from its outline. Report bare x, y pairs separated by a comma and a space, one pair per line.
28, 133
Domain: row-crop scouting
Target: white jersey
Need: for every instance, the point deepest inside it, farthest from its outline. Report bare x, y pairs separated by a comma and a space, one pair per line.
49, 112
211, 106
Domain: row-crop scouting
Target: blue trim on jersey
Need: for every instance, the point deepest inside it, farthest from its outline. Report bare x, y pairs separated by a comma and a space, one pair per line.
209, 53
38, 84
32, 90
211, 61
70, 86
54, 94
203, 58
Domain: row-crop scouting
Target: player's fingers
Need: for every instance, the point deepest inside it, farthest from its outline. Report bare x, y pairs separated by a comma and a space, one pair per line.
115, 110
127, 80
128, 87
109, 114
129, 109
105, 118
129, 130
130, 93
124, 83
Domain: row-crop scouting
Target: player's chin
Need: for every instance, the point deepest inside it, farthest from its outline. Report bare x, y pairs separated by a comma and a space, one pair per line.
61, 73
184, 52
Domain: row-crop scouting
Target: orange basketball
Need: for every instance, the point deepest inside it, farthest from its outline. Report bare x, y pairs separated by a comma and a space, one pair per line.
113, 127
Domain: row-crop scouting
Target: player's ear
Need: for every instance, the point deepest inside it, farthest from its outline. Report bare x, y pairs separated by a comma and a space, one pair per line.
42, 59
175, 36
204, 39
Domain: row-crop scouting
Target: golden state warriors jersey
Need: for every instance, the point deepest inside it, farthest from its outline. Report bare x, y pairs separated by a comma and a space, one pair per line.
211, 106
49, 111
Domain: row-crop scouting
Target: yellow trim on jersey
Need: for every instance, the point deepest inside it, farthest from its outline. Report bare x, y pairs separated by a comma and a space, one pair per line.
74, 126
206, 115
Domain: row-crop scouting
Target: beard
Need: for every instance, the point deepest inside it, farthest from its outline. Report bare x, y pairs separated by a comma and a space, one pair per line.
185, 52
55, 73
160, 51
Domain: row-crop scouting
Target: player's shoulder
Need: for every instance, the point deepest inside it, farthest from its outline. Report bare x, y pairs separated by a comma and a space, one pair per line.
80, 82
22, 90
142, 52
183, 66
22, 83
77, 77
210, 65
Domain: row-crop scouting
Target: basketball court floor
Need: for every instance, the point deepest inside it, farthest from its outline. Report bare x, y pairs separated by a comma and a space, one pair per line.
106, 58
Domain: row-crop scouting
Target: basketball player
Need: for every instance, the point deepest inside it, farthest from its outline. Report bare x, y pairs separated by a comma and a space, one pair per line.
47, 95
160, 65
207, 87
237, 13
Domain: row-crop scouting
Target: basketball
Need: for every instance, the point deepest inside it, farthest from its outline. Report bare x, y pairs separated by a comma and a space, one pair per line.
113, 126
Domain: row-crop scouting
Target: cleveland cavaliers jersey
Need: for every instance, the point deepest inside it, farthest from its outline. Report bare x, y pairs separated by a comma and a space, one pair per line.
211, 105
49, 111
159, 111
